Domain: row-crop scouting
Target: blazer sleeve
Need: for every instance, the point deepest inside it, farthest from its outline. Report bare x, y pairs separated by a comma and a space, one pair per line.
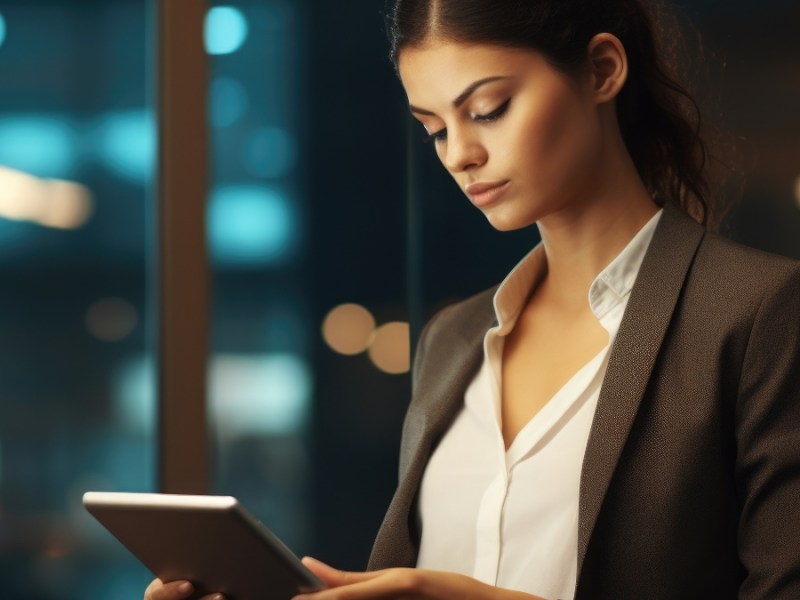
767, 417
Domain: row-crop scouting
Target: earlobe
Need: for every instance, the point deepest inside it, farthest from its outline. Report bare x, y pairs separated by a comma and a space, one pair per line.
609, 66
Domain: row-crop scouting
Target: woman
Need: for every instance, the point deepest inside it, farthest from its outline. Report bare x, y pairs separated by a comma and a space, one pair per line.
620, 418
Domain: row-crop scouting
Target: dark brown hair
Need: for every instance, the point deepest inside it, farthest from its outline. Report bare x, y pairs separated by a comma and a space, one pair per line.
659, 120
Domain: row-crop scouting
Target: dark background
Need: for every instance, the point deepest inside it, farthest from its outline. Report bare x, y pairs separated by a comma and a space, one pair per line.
378, 223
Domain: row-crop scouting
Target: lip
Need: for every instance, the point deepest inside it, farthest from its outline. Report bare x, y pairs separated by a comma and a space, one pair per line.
485, 193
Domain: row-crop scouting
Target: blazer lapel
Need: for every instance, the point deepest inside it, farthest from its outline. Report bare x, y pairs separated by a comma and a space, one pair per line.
633, 356
448, 370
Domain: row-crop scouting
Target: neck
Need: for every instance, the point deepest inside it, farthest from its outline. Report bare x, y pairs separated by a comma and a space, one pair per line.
580, 241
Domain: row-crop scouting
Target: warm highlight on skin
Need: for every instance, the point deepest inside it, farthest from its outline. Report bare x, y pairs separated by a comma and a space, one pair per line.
542, 144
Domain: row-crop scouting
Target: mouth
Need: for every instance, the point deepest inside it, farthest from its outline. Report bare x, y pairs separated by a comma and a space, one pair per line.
483, 194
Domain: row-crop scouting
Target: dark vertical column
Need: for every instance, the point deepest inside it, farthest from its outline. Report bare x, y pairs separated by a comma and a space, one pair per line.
183, 267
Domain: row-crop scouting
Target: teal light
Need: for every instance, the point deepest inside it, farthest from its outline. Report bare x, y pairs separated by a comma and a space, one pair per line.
251, 225
40, 144
228, 102
134, 394
127, 143
254, 394
225, 30
270, 152
2, 30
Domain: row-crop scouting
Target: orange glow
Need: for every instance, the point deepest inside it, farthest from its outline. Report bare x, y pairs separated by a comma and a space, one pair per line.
390, 350
348, 329
46, 202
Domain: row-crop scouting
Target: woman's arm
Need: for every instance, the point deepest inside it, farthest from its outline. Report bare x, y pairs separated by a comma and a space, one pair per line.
768, 447
408, 584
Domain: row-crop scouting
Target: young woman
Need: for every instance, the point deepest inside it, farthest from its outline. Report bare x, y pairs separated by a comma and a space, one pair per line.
621, 417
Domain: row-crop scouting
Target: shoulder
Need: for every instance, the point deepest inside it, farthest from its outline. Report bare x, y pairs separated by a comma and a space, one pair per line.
719, 270
457, 326
750, 264
463, 312
731, 274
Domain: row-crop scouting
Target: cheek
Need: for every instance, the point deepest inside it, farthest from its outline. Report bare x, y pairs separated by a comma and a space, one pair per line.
559, 134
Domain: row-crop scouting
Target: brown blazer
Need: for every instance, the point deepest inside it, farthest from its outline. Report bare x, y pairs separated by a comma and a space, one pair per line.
690, 486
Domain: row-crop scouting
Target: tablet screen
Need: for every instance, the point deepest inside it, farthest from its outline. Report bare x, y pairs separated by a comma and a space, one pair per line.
211, 541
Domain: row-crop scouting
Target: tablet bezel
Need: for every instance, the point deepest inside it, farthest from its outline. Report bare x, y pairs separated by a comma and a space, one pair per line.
193, 537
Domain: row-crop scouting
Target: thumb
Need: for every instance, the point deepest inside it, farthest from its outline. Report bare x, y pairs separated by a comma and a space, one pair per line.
333, 577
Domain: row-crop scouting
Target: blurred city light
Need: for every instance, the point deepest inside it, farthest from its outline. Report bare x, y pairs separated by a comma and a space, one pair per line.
127, 143
348, 329
270, 152
390, 348
225, 30
68, 205
258, 394
133, 389
40, 144
250, 225
228, 102
50, 203
2, 29
111, 319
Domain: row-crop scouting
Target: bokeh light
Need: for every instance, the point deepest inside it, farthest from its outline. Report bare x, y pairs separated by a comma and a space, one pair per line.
134, 394
40, 144
23, 195
127, 143
270, 152
261, 393
228, 102
390, 348
2, 29
348, 329
69, 205
225, 30
46, 202
111, 319
251, 225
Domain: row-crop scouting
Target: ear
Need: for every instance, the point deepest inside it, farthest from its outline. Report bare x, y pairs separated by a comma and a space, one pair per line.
608, 64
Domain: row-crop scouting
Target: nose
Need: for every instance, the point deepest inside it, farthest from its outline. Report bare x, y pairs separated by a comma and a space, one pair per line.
463, 152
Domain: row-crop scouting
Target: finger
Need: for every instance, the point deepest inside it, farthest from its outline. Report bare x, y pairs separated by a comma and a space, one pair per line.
213, 597
174, 590
335, 577
379, 585
365, 590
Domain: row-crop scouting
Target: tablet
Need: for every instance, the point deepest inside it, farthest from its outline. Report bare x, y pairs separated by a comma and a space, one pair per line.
211, 541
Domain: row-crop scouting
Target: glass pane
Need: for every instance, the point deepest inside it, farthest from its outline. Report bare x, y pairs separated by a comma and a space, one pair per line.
259, 368
76, 383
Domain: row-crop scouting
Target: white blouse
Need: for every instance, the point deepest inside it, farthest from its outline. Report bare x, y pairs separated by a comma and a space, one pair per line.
510, 518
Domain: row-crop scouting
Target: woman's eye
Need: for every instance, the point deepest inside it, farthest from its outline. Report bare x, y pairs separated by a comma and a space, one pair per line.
436, 136
494, 115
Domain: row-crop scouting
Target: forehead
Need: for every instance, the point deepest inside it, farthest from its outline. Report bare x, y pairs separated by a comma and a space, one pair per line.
441, 70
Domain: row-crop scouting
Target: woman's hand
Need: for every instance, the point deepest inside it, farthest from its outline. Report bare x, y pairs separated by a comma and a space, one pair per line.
174, 590
408, 584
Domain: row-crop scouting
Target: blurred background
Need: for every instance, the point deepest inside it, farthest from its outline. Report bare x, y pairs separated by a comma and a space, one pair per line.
332, 234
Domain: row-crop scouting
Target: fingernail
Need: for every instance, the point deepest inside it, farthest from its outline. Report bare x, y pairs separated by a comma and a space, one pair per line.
185, 587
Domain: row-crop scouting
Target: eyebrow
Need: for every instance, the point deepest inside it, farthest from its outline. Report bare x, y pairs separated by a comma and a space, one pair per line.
462, 97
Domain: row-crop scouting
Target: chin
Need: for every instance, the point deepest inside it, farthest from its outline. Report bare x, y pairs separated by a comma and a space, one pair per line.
508, 222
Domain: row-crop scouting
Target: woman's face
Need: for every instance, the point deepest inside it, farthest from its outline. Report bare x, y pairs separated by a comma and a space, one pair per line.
520, 138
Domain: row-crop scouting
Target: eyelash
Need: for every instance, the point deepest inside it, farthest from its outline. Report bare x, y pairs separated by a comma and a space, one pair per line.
441, 135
